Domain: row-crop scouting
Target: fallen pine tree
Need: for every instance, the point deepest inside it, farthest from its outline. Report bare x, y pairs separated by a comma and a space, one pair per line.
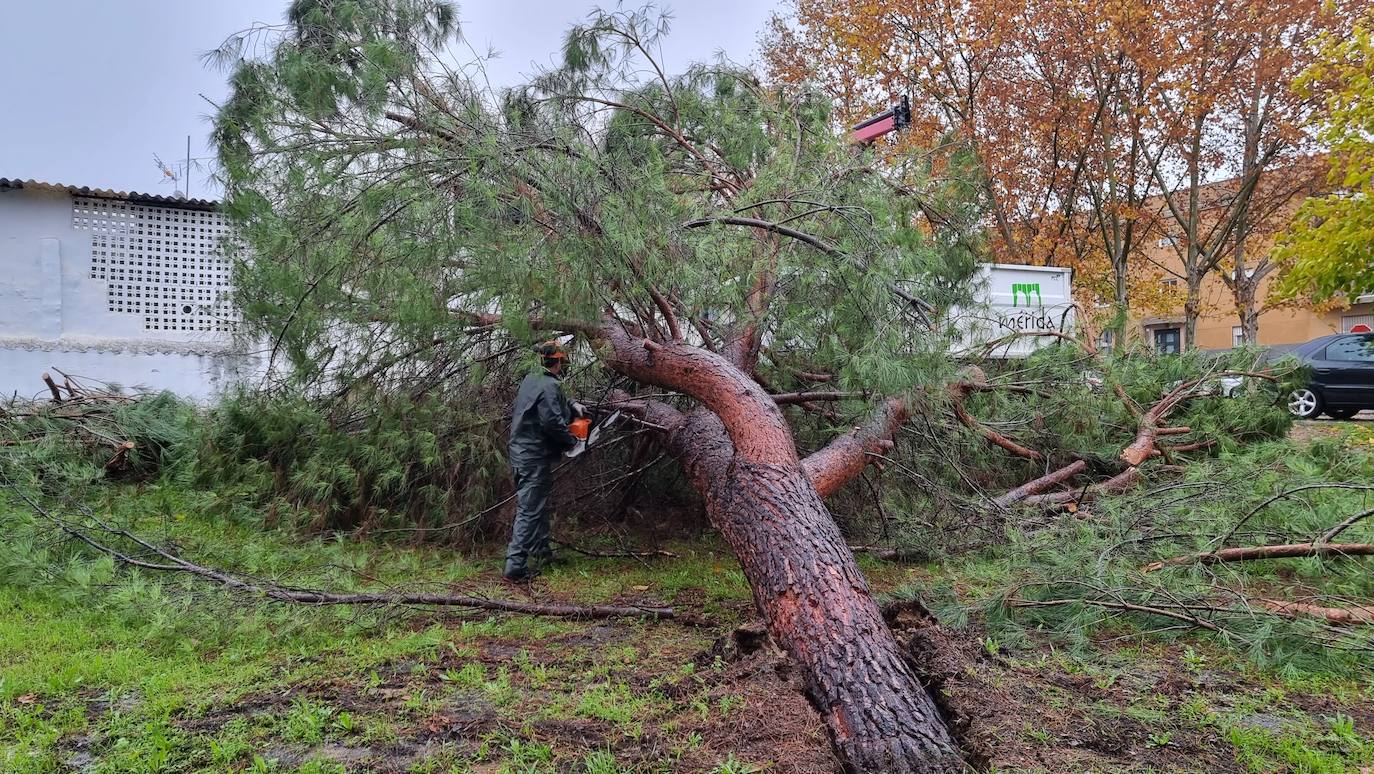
708, 243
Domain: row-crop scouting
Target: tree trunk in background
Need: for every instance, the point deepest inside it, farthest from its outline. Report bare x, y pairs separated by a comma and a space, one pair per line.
740, 455
1248, 310
1191, 308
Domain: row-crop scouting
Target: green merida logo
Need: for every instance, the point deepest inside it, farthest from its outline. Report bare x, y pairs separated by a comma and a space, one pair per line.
1017, 288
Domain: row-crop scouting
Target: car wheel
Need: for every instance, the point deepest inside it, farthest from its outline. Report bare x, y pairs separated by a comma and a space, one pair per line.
1305, 403
1341, 413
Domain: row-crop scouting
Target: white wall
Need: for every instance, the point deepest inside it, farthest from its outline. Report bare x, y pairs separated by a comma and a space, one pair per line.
55, 315
197, 376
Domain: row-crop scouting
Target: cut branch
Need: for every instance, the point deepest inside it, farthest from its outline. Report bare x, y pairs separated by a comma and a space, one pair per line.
1361, 614
1250, 553
52, 387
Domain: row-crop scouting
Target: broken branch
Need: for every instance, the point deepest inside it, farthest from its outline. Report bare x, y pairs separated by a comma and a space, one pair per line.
1127, 606
319, 597
52, 387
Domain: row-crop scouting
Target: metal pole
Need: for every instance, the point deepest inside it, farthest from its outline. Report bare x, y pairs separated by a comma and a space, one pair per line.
188, 166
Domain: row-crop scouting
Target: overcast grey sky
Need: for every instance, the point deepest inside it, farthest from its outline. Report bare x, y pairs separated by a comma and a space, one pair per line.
90, 90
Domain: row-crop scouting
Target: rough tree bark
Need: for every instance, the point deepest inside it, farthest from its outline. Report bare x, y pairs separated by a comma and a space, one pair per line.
740, 455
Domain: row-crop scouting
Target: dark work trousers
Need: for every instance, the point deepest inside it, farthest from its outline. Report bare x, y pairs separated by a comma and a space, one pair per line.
529, 542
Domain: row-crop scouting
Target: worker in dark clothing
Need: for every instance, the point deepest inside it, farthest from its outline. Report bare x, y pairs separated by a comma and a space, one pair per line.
539, 435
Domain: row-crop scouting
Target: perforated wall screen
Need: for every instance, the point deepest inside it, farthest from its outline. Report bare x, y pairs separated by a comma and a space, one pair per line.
163, 264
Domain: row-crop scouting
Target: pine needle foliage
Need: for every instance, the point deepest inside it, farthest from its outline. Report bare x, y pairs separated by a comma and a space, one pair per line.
388, 199
1097, 555
392, 464
68, 446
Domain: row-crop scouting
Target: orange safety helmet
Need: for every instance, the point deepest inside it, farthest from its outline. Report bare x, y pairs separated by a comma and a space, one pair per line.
551, 351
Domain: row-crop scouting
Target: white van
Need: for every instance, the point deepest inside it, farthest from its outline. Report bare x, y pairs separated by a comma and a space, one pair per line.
1015, 299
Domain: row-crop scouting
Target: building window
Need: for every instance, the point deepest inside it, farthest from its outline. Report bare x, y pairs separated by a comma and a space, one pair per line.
1356, 349
1167, 341
1237, 335
1106, 340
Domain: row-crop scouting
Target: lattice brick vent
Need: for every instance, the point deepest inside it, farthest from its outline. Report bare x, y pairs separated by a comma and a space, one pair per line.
161, 263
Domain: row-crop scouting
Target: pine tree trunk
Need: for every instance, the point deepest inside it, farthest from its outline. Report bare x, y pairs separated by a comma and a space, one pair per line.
817, 604
818, 607
740, 455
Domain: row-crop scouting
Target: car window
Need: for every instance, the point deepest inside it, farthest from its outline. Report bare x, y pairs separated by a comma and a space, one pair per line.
1352, 348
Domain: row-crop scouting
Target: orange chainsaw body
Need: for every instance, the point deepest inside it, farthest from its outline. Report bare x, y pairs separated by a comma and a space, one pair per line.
580, 428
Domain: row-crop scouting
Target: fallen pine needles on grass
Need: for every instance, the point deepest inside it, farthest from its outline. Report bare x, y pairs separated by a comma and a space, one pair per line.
167, 561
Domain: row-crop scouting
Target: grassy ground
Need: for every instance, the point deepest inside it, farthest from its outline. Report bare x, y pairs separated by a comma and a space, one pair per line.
104, 671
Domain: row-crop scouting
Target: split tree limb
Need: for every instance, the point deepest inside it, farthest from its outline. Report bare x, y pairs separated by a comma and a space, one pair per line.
120, 455
1143, 447
1114, 485
1040, 484
833, 465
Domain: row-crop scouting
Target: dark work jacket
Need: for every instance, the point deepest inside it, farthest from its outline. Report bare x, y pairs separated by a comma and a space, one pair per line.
539, 423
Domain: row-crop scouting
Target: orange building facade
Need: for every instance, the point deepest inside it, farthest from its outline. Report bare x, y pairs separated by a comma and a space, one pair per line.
1219, 324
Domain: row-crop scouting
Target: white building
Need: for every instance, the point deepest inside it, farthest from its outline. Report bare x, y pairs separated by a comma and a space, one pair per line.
126, 288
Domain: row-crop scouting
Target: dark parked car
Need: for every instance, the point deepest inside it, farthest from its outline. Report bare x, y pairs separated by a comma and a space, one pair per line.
1342, 376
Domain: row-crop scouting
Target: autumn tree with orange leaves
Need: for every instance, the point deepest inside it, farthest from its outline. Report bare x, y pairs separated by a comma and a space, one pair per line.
1101, 126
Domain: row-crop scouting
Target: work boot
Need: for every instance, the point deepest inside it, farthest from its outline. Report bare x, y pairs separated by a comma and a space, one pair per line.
520, 577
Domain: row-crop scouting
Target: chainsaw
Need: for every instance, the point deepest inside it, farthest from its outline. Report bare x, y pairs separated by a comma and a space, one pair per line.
586, 433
